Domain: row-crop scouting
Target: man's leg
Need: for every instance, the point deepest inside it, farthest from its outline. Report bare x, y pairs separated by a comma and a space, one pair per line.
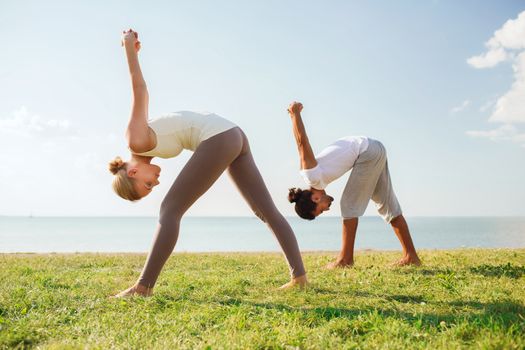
400, 227
389, 208
346, 256
356, 195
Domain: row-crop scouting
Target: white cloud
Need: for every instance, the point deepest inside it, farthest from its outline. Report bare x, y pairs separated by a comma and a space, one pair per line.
488, 59
511, 36
507, 44
461, 107
505, 132
23, 123
510, 108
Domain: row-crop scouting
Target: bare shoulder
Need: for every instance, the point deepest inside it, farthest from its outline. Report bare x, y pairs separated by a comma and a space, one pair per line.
143, 144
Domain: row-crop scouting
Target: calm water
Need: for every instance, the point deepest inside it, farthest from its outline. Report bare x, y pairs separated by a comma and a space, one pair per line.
118, 234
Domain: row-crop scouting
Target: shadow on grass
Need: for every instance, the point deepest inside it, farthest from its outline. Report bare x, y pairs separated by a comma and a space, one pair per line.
507, 270
506, 315
497, 308
414, 299
425, 271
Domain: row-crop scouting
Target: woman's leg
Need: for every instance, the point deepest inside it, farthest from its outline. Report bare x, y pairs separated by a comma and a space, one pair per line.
208, 162
246, 176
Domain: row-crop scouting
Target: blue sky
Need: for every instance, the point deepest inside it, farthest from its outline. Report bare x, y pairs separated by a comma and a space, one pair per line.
440, 83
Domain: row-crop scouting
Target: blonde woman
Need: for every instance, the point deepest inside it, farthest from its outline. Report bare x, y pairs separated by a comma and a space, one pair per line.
217, 145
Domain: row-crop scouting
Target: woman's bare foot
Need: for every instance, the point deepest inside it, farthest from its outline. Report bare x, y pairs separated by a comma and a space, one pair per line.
300, 282
135, 290
339, 263
407, 260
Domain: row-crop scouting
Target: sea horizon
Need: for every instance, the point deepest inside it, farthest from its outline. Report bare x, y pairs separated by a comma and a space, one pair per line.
253, 216
249, 234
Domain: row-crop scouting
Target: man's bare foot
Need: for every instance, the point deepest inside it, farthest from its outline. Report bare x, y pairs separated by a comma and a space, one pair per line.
339, 263
135, 290
407, 260
297, 282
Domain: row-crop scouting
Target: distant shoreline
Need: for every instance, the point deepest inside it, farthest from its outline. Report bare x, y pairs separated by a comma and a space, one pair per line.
254, 217
308, 252
249, 234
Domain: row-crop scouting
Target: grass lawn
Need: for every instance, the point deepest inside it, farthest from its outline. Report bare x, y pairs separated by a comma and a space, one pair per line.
457, 299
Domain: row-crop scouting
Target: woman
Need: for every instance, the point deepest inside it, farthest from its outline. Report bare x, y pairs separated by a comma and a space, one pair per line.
370, 179
218, 144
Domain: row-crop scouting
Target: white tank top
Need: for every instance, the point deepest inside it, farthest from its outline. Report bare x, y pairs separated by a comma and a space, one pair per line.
184, 130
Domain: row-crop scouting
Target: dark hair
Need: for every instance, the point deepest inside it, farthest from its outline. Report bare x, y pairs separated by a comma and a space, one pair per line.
304, 206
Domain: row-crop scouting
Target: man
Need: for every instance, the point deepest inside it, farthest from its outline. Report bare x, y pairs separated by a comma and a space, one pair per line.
369, 179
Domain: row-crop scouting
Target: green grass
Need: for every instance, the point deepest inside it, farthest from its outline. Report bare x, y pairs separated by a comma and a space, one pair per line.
457, 299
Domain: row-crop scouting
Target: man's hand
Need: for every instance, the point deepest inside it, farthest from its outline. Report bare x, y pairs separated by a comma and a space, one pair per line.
295, 108
130, 38
306, 154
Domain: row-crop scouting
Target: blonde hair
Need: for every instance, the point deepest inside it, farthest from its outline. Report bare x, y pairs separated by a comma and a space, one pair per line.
122, 183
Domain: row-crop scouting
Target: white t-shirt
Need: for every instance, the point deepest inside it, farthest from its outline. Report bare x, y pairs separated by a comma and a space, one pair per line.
334, 161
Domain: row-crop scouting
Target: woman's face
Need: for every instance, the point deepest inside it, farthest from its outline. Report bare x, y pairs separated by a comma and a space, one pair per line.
146, 177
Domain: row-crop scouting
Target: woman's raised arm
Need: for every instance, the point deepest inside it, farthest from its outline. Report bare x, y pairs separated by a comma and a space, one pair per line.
138, 134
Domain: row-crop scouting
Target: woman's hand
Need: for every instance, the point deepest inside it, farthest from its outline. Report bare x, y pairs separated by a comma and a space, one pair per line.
130, 39
295, 108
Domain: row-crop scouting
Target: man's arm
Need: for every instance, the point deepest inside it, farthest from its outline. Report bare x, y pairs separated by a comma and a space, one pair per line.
306, 154
138, 134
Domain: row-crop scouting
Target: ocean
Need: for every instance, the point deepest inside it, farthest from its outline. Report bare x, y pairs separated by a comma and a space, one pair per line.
229, 234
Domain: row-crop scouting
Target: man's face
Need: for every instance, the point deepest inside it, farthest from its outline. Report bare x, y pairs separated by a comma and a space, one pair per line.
322, 200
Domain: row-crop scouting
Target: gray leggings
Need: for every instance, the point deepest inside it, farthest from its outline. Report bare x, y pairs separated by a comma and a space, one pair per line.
229, 149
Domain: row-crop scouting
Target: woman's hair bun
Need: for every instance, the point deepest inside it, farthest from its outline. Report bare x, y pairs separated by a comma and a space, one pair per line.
115, 165
294, 194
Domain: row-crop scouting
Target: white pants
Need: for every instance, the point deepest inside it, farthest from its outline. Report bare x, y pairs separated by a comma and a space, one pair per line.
370, 179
